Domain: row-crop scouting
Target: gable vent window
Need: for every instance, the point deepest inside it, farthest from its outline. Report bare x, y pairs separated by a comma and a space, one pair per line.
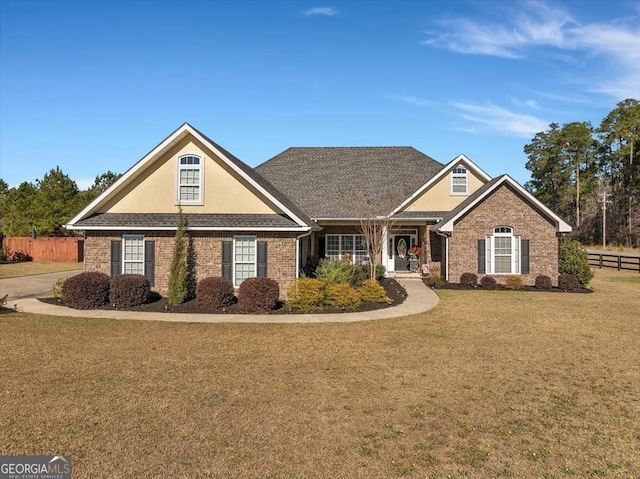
459, 181
189, 179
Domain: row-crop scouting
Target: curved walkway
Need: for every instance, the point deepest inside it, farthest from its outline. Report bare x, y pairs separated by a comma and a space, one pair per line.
420, 298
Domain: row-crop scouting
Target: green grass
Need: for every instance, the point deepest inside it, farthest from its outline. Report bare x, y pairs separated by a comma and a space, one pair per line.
30, 268
489, 384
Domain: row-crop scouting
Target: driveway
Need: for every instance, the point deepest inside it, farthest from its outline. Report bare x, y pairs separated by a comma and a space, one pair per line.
37, 286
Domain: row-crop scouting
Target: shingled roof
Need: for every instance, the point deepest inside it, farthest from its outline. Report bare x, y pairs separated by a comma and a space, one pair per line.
333, 182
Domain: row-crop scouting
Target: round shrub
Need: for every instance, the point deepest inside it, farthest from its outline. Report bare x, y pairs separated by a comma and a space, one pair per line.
342, 296
543, 282
86, 290
573, 259
306, 294
128, 290
435, 281
514, 282
258, 295
468, 280
488, 282
214, 293
567, 282
372, 292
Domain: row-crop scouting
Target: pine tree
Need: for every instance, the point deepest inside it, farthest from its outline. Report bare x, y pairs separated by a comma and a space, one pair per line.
177, 288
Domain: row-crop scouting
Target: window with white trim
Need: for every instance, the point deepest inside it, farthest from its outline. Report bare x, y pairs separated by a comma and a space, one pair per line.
459, 181
189, 179
133, 254
502, 251
244, 258
338, 246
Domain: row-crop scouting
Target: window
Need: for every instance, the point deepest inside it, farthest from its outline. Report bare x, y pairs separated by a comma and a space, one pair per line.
133, 254
189, 179
244, 258
502, 251
459, 181
337, 246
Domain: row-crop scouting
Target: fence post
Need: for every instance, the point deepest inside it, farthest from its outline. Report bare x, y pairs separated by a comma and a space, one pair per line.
600, 257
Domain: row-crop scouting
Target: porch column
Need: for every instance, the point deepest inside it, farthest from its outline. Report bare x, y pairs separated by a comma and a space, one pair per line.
385, 248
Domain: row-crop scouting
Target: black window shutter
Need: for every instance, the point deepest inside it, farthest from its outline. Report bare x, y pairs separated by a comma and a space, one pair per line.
524, 260
116, 264
481, 257
262, 259
226, 259
149, 260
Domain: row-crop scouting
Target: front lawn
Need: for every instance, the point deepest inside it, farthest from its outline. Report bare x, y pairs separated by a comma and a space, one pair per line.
487, 384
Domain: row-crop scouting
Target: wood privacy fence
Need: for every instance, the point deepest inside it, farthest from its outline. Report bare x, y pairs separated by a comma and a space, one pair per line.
47, 249
610, 259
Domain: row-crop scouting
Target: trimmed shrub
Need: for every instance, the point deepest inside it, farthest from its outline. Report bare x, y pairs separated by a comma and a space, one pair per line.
342, 296
128, 290
57, 287
567, 282
372, 292
488, 282
306, 294
468, 280
573, 259
543, 282
177, 287
214, 292
514, 282
88, 290
381, 271
258, 295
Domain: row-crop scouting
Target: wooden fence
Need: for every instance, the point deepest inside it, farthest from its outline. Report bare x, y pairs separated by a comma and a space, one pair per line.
47, 249
610, 259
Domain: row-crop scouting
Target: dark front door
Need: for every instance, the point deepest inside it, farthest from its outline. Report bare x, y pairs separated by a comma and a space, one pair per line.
401, 245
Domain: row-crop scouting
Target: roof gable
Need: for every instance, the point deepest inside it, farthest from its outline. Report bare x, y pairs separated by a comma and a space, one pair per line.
333, 182
252, 194
446, 225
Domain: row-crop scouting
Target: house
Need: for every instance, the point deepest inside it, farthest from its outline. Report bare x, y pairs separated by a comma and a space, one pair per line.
304, 202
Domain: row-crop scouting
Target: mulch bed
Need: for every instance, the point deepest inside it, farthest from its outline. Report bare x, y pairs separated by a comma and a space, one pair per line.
158, 304
500, 287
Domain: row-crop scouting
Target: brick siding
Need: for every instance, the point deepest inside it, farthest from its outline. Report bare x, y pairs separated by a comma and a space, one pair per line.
206, 248
504, 208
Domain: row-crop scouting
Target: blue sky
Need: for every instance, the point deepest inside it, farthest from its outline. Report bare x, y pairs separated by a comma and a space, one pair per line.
93, 86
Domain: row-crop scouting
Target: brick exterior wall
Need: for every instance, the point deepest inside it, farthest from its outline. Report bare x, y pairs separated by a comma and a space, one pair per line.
504, 208
206, 248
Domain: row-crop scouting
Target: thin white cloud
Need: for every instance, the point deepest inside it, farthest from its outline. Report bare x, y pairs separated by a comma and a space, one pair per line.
414, 100
532, 28
326, 11
529, 103
84, 183
500, 120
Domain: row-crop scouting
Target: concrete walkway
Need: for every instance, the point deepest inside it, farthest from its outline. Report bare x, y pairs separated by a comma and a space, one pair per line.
420, 298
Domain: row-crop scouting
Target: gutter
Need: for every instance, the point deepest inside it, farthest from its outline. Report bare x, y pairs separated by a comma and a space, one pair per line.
298, 238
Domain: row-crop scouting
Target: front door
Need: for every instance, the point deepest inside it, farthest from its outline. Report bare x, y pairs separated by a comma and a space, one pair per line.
401, 245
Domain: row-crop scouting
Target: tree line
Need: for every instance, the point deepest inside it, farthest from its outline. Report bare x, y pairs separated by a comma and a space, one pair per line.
45, 206
578, 170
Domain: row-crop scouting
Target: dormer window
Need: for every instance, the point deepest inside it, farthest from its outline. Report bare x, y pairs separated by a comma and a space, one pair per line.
459, 181
189, 179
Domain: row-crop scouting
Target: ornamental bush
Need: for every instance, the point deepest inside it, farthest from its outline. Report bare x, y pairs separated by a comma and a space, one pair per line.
342, 296
543, 282
573, 259
214, 292
88, 290
341, 272
567, 282
57, 287
488, 282
514, 282
258, 295
306, 294
128, 290
468, 280
372, 292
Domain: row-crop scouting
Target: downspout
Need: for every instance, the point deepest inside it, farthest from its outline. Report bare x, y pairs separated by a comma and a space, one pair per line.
446, 257
298, 238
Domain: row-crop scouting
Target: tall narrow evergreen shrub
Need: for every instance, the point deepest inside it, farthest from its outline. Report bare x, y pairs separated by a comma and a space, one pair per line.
177, 288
